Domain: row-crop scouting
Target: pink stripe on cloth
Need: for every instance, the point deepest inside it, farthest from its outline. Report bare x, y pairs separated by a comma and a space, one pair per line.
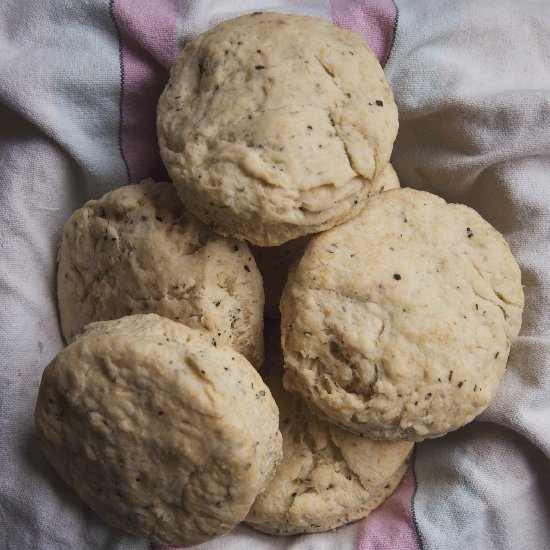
148, 35
374, 20
392, 524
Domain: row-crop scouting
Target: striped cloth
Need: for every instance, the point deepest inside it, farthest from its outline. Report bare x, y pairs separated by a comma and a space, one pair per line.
79, 86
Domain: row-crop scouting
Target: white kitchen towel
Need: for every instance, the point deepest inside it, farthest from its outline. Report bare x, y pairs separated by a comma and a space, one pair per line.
78, 88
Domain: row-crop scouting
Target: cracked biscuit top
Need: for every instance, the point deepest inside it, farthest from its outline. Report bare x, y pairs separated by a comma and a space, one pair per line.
275, 126
398, 324
151, 425
139, 250
328, 476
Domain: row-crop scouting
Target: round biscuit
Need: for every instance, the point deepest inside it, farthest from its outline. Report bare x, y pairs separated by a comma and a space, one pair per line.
139, 250
398, 324
276, 126
150, 424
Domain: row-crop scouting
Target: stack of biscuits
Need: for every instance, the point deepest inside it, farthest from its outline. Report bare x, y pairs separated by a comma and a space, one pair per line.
388, 318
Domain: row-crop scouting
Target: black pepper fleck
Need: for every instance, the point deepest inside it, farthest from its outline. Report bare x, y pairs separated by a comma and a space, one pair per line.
259, 67
246, 268
396, 276
379, 102
460, 384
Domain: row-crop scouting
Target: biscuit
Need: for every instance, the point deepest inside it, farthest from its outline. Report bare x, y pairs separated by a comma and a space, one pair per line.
139, 250
276, 126
275, 261
398, 324
328, 477
151, 425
